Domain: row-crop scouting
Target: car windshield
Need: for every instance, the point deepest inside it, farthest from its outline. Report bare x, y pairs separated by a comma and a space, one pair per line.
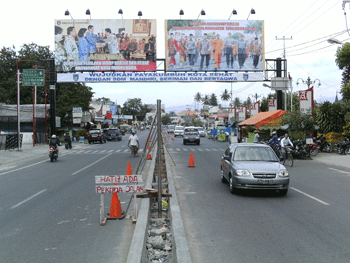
95, 131
250, 153
200, 129
191, 132
179, 128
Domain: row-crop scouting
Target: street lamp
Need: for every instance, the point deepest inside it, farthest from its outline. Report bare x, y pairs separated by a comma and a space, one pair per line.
181, 13
252, 11
202, 13
88, 13
67, 13
234, 12
309, 82
267, 86
334, 41
120, 12
139, 14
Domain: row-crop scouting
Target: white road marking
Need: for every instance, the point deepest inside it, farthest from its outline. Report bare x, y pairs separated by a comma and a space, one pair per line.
91, 164
201, 150
310, 196
28, 199
208, 150
111, 151
215, 150
185, 150
340, 171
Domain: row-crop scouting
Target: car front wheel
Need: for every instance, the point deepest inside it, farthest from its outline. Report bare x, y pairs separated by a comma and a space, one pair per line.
233, 190
223, 179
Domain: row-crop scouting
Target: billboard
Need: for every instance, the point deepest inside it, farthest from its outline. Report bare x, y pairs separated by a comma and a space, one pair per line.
272, 104
254, 108
214, 45
105, 45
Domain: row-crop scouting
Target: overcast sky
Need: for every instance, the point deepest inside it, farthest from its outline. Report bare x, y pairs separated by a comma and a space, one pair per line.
309, 22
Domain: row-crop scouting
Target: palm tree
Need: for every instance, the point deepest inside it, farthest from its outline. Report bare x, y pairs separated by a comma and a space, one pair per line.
237, 102
225, 96
205, 100
198, 97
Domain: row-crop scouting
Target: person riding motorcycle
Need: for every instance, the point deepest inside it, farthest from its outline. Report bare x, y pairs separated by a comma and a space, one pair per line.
68, 139
54, 141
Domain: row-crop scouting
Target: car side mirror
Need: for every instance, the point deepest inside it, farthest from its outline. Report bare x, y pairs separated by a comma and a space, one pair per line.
227, 158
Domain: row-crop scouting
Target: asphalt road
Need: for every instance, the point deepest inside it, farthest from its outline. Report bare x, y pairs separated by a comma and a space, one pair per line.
309, 224
49, 212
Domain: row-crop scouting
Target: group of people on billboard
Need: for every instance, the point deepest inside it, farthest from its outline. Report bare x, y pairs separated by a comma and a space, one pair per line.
73, 48
212, 51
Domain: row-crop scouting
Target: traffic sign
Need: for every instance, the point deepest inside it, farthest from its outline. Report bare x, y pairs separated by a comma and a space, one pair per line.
33, 77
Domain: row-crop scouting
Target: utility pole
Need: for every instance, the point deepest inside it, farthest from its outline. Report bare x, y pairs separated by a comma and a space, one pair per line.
284, 44
52, 82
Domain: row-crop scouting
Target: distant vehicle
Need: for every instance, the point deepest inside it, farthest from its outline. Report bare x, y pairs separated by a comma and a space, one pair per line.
253, 166
96, 135
171, 128
113, 134
179, 131
202, 132
191, 135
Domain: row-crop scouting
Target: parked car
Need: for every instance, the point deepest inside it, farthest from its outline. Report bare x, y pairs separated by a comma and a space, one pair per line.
253, 166
113, 134
191, 135
179, 131
171, 128
96, 135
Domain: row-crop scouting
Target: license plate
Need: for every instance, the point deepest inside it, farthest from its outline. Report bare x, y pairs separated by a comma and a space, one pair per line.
94, 135
265, 181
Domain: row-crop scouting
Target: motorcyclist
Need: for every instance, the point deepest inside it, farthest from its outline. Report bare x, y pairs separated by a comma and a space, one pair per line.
54, 141
274, 139
68, 139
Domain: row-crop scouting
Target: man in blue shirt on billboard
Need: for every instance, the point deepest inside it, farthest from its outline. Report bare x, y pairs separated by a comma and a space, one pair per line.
92, 39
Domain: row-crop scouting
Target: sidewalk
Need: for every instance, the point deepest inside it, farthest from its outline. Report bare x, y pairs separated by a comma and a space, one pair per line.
333, 159
28, 152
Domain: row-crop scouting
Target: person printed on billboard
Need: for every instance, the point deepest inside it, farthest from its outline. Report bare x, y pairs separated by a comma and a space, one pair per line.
92, 39
113, 46
70, 46
217, 46
191, 47
256, 52
204, 51
172, 49
60, 53
242, 52
149, 50
229, 43
83, 45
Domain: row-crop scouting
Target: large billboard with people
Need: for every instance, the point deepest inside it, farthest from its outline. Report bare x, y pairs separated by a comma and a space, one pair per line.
214, 45
101, 45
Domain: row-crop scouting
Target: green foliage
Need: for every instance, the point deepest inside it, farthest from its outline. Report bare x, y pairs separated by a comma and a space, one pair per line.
166, 119
345, 91
330, 117
225, 96
196, 123
343, 62
333, 137
135, 107
298, 122
213, 101
346, 130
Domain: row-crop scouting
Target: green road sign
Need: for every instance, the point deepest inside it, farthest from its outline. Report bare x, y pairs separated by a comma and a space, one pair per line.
33, 77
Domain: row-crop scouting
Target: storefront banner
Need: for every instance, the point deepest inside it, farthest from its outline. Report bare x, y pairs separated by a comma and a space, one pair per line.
92, 45
214, 45
306, 100
272, 104
94, 77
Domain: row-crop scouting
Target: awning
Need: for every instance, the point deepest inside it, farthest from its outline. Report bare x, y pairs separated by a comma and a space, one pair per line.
262, 118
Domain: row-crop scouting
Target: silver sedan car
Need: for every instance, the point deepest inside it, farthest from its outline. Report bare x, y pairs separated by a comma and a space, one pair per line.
253, 166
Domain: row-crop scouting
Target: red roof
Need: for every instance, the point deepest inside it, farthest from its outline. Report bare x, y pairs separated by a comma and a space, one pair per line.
261, 118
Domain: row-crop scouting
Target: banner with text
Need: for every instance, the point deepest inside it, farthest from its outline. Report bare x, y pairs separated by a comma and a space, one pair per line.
254, 108
272, 104
105, 45
159, 77
214, 45
306, 100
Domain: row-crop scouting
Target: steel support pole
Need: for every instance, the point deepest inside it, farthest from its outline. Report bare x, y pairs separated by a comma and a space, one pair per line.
159, 133
279, 74
18, 111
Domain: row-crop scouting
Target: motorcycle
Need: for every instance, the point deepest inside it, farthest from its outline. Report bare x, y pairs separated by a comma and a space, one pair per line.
53, 153
300, 150
68, 143
312, 148
343, 147
324, 146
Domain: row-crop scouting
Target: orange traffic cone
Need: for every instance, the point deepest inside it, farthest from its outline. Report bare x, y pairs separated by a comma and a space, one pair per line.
149, 157
116, 208
191, 163
128, 169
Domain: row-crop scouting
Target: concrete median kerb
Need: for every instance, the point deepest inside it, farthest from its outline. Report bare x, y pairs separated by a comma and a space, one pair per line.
333, 159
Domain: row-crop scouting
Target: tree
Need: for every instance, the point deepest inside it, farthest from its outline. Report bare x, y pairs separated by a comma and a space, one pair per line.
225, 96
237, 102
205, 100
213, 101
68, 95
198, 97
343, 62
135, 107
166, 119
331, 117
298, 122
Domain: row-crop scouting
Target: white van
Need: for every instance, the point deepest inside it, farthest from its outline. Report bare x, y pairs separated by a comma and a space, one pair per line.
171, 128
179, 131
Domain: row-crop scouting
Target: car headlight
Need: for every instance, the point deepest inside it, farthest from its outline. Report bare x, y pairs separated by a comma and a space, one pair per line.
197, 137
243, 173
283, 173
186, 138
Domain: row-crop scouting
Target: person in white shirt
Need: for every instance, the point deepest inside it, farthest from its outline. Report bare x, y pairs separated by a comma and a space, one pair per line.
285, 142
257, 136
133, 143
